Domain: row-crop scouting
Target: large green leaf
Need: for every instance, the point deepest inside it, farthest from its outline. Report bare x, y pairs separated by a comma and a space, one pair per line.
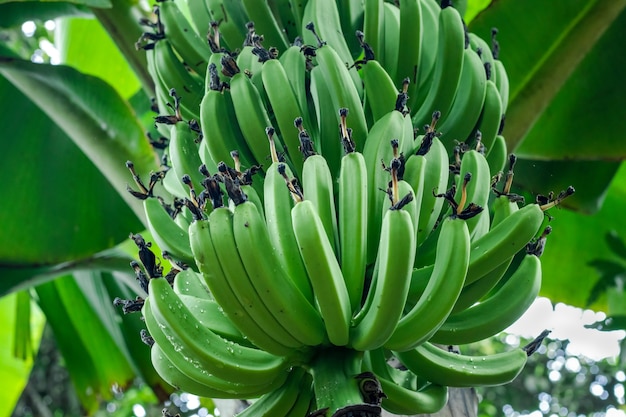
57, 205
131, 325
16, 13
104, 61
93, 356
585, 119
566, 92
90, 3
576, 240
542, 47
17, 277
93, 115
14, 371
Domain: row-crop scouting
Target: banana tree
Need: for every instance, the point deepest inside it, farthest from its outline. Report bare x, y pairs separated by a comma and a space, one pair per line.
79, 123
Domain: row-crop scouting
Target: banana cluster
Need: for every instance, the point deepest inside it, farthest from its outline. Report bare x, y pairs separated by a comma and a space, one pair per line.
337, 209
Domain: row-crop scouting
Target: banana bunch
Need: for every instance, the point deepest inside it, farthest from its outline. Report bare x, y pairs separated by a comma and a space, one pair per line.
335, 209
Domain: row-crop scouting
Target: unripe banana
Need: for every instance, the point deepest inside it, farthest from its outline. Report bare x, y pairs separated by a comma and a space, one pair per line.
442, 290
280, 295
456, 370
246, 316
187, 43
279, 401
166, 233
400, 399
265, 24
278, 203
498, 311
396, 247
318, 187
221, 225
323, 270
222, 358
448, 65
353, 216
503, 241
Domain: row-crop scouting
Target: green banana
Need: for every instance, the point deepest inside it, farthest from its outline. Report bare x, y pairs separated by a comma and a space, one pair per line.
377, 148
166, 233
443, 367
295, 67
443, 288
222, 358
373, 21
436, 177
161, 92
173, 185
353, 215
498, 311
239, 313
478, 44
190, 283
323, 270
325, 114
232, 19
448, 65
188, 44
317, 186
173, 75
502, 83
343, 93
497, 155
265, 23
458, 123
478, 289
395, 261
380, 91
503, 241
325, 16
250, 61
284, 15
491, 118
405, 188
411, 38
280, 295
414, 173
506, 202
305, 398
188, 364
184, 156
391, 38
199, 15
425, 74
402, 400
278, 204
220, 130
221, 227
251, 116
285, 107
477, 191
279, 401
209, 313
190, 379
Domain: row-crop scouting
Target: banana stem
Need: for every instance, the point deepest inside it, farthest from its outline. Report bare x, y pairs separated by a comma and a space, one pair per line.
337, 390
